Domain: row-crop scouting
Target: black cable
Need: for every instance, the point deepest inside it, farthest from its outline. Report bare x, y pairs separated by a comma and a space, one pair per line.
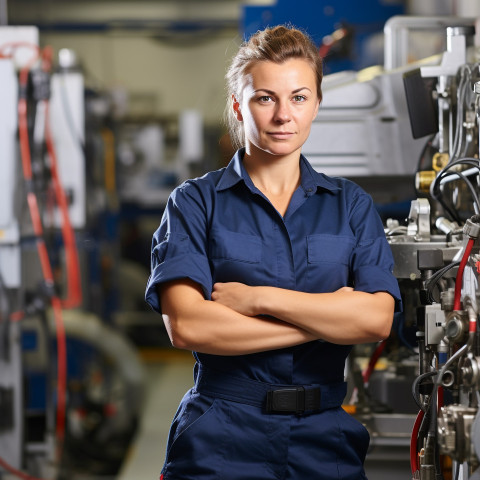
457, 231
474, 162
428, 144
432, 431
461, 176
4, 320
416, 389
436, 190
432, 281
450, 211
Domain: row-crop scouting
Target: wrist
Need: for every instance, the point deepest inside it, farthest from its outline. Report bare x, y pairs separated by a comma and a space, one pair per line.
260, 301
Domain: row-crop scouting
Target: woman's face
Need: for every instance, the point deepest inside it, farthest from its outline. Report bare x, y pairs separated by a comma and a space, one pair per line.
278, 105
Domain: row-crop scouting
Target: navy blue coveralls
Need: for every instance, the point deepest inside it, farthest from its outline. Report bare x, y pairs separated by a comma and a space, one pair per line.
221, 228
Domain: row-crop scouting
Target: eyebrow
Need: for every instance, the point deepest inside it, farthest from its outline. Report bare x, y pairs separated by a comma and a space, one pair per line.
271, 92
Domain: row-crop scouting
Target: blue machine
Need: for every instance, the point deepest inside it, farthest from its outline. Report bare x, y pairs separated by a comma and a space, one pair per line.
354, 23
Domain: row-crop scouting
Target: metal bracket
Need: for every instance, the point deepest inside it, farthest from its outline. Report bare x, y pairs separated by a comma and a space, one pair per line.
419, 219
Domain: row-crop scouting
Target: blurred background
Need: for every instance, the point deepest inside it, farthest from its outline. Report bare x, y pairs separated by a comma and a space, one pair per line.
105, 107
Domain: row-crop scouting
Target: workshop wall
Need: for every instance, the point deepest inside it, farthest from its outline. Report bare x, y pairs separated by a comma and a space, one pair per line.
167, 56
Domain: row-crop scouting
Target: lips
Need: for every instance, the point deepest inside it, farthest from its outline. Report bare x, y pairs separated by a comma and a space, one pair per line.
280, 135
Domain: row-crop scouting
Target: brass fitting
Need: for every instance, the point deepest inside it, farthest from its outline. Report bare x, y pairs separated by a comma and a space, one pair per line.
424, 179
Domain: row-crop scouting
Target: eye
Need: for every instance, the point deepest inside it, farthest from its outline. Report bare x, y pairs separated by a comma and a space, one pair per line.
299, 98
265, 99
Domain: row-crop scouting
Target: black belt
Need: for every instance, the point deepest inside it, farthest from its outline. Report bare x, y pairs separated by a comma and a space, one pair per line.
298, 399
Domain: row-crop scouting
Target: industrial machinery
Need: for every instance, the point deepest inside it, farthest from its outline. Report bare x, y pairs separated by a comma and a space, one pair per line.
437, 259
413, 133
69, 383
436, 252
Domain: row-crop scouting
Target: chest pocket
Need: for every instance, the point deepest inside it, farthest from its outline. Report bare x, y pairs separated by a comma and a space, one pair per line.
328, 260
234, 256
235, 246
325, 248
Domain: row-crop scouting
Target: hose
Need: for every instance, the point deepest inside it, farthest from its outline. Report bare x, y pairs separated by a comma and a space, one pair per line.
414, 441
43, 255
459, 278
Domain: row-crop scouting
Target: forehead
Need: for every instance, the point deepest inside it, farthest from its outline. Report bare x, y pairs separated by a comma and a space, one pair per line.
292, 74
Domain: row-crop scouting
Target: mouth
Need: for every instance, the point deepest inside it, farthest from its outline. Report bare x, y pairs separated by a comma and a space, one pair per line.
280, 135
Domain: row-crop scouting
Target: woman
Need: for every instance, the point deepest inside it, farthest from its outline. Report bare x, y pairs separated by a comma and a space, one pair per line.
269, 271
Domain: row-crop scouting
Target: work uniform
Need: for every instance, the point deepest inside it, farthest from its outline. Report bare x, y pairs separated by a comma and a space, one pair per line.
275, 414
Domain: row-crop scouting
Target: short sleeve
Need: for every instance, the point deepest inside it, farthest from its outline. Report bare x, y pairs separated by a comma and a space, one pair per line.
372, 260
179, 246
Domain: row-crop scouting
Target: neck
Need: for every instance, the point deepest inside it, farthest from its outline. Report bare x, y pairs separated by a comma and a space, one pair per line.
273, 174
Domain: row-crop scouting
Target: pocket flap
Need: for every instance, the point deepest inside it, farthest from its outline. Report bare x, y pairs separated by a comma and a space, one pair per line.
235, 246
330, 248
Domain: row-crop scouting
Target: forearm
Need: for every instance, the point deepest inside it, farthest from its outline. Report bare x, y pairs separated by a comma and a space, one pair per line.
194, 323
343, 317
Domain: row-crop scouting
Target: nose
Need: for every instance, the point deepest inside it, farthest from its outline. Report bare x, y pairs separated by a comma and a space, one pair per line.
282, 112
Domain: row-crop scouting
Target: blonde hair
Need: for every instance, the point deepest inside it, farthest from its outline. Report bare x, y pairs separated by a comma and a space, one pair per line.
276, 44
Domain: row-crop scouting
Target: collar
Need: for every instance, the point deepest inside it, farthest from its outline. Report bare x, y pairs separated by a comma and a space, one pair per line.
311, 180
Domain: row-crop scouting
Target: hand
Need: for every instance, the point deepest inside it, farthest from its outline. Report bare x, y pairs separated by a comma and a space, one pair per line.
237, 296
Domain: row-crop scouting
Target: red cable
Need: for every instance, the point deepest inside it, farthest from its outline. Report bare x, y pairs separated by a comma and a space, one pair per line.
23, 137
41, 247
413, 442
440, 397
74, 295
16, 472
45, 264
459, 279
74, 289
373, 361
42, 252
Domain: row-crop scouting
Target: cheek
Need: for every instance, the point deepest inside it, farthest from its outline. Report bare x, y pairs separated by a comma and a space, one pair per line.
308, 119
251, 124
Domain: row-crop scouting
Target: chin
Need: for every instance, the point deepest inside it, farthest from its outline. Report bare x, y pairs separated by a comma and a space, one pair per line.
275, 148
281, 151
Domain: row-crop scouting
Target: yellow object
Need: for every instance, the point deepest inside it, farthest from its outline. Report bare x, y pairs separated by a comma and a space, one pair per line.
351, 409
440, 161
424, 179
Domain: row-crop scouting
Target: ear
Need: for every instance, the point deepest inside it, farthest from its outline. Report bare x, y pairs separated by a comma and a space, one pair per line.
236, 109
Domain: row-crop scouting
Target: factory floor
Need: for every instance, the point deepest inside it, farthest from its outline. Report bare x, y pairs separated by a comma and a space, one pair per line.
169, 374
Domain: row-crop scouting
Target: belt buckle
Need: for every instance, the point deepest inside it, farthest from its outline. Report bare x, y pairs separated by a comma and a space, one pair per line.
286, 400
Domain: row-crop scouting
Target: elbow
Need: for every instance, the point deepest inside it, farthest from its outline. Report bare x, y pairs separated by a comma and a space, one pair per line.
384, 333
184, 335
382, 327
382, 317
179, 342
179, 335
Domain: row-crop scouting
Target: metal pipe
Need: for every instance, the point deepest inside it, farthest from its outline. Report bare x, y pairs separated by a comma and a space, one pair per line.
396, 32
476, 90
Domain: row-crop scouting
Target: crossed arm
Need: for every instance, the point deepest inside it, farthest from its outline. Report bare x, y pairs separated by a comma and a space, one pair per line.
241, 319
